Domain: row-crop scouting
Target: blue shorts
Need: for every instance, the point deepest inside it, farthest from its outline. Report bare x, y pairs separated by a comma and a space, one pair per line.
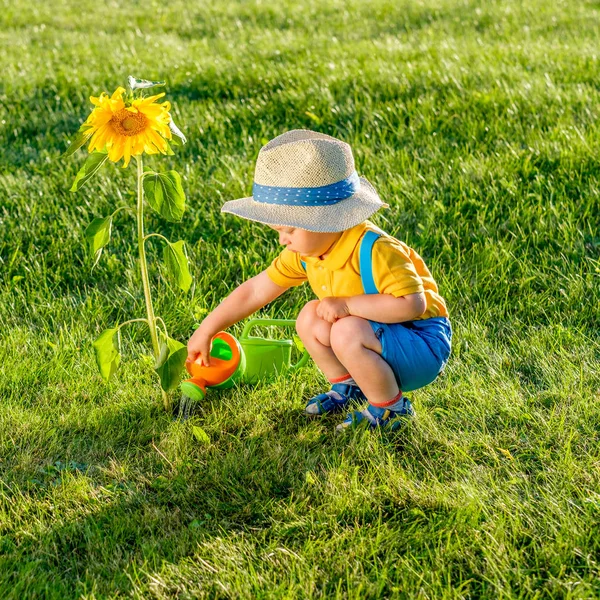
417, 351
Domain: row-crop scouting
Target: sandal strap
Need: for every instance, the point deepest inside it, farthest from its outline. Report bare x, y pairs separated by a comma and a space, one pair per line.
351, 392
328, 402
376, 418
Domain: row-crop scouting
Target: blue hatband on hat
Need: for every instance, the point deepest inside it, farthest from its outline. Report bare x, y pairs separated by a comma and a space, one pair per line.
307, 196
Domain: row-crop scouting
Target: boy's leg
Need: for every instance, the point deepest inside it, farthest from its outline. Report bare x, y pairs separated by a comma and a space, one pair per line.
347, 346
357, 348
315, 335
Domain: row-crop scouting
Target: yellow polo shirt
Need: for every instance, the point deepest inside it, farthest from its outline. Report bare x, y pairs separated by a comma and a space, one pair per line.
397, 270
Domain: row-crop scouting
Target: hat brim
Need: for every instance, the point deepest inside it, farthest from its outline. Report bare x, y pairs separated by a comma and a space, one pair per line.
324, 219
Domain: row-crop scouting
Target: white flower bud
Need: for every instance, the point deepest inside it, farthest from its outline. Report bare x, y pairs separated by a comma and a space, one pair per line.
177, 131
142, 84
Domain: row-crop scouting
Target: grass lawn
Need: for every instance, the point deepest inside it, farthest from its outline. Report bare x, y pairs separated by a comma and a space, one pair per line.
477, 121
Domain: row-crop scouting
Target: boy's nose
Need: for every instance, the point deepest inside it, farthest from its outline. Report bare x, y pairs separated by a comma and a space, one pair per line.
283, 239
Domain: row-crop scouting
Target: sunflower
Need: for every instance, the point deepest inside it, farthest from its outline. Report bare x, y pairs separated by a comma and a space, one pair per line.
126, 129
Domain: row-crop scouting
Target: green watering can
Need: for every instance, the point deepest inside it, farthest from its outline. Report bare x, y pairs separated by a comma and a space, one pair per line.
266, 358
250, 360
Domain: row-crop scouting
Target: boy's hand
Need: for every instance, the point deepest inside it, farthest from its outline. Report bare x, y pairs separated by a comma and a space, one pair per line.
333, 309
199, 345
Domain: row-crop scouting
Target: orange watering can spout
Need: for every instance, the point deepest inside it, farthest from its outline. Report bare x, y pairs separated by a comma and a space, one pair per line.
224, 360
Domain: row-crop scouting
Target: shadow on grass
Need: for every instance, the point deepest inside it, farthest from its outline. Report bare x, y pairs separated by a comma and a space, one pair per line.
160, 501
93, 529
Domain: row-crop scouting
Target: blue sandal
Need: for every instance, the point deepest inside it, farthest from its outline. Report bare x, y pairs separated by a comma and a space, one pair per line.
375, 417
334, 400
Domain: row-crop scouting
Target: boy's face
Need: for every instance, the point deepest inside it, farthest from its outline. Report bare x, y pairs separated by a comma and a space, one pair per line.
307, 243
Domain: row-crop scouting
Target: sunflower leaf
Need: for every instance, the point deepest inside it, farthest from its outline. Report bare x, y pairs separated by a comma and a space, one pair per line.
107, 353
81, 137
177, 264
94, 161
170, 363
165, 194
97, 235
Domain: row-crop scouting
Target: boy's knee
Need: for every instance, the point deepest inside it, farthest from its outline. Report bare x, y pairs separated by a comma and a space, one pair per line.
346, 333
307, 316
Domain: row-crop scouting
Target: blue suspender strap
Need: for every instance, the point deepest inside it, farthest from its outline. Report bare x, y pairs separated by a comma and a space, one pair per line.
366, 262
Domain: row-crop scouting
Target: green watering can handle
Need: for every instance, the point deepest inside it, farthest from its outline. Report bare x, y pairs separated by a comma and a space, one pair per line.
277, 322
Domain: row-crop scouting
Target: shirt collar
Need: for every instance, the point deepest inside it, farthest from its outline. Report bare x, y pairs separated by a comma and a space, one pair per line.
342, 250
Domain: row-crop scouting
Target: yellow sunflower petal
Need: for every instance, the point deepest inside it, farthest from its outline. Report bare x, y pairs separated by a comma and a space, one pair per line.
116, 105
115, 152
118, 93
151, 147
163, 129
149, 99
98, 117
136, 148
152, 111
98, 101
127, 152
157, 140
98, 140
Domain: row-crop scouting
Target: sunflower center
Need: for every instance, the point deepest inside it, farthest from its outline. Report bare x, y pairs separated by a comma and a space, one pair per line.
125, 122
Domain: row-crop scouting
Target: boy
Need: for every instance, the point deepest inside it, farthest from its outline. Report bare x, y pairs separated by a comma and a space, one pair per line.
379, 326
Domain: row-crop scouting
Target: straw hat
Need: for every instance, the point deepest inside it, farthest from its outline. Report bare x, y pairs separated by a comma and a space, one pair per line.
307, 179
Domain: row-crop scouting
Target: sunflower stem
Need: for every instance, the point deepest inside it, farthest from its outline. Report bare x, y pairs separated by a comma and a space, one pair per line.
144, 268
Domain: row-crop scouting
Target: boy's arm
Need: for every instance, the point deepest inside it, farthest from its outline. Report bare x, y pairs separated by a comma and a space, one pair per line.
246, 299
386, 308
